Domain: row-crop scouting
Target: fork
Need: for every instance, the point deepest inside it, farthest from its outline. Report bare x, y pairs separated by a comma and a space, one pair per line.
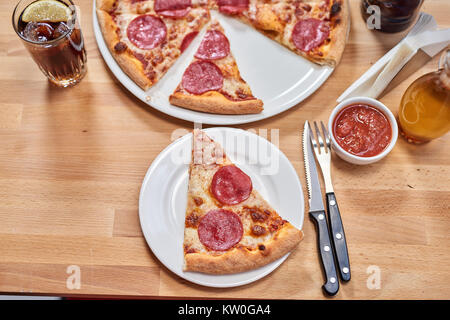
322, 150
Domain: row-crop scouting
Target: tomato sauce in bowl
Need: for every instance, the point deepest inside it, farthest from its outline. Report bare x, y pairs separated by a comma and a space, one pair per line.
362, 130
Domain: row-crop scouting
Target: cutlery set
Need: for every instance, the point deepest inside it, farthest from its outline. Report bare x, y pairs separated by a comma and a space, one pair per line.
425, 36
330, 232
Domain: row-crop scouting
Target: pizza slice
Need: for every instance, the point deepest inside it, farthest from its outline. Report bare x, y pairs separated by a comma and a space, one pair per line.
168, 8
212, 82
314, 29
146, 43
229, 227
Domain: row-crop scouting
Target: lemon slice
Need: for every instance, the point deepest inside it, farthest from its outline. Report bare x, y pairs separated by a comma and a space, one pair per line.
46, 10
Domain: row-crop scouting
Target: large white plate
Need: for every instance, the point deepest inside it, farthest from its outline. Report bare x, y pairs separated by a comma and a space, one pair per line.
279, 77
163, 196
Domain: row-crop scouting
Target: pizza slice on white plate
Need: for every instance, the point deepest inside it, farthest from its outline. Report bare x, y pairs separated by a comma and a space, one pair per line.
229, 227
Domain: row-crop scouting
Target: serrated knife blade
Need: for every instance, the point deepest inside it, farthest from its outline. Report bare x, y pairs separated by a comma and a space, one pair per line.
312, 179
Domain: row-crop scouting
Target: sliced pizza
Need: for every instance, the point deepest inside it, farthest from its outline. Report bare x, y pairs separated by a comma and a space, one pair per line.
314, 29
168, 8
229, 227
212, 82
146, 41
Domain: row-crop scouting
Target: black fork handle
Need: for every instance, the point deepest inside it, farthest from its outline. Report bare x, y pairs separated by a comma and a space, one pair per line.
338, 237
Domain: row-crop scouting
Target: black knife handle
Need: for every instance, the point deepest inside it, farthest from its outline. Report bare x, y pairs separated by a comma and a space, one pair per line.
338, 236
331, 285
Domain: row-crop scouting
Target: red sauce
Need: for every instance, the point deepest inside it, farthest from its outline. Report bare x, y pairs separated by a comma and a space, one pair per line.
362, 130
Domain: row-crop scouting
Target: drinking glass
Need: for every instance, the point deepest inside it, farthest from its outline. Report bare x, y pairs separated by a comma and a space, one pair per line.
393, 15
62, 59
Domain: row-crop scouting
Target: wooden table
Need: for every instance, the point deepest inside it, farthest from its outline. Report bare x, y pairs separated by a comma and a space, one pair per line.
72, 162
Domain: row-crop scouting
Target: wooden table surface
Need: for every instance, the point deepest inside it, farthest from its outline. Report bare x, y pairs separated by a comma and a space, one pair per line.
72, 162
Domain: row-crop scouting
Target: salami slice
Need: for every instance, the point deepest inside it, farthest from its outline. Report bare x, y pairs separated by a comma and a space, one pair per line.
232, 6
187, 40
202, 76
164, 5
173, 8
220, 229
146, 31
230, 185
214, 46
308, 34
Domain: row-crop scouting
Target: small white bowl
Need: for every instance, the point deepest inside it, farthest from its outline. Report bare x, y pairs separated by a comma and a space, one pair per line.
347, 156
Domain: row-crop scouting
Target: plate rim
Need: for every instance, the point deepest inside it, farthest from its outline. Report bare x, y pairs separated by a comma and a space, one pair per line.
153, 166
191, 115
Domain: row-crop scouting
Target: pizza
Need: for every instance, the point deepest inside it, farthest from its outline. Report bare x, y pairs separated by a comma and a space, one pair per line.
229, 227
146, 37
314, 29
212, 82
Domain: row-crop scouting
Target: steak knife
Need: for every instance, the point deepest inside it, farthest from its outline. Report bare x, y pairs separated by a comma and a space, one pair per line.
318, 215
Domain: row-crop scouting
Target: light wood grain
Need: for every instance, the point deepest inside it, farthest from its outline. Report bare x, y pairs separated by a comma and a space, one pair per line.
72, 163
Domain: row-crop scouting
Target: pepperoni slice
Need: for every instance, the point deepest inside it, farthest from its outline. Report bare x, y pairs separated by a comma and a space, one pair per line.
202, 76
164, 5
309, 34
187, 40
146, 31
172, 8
214, 46
220, 229
232, 6
230, 185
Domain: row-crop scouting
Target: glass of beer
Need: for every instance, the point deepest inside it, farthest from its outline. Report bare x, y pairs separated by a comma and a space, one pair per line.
50, 31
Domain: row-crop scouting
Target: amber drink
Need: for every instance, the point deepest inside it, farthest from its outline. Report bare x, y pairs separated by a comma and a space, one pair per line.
424, 112
50, 31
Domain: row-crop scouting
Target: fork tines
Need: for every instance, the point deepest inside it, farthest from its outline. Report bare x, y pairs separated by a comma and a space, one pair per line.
321, 147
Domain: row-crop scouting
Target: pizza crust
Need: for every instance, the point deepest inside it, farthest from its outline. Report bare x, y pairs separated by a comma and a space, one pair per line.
339, 37
130, 65
215, 102
106, 5
241, 259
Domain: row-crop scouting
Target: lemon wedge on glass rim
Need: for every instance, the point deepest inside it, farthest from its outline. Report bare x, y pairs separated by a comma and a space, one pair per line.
47, 10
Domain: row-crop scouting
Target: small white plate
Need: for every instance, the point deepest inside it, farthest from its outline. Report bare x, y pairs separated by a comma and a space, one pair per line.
163, 196
279, 77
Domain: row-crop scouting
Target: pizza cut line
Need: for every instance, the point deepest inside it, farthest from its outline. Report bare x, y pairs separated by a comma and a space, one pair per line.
146, 37
229, 226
